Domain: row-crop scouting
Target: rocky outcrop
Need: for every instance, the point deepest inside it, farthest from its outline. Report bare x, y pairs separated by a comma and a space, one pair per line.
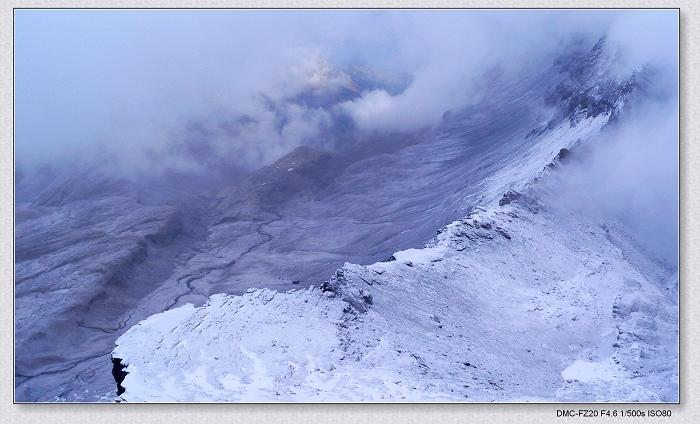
591, 88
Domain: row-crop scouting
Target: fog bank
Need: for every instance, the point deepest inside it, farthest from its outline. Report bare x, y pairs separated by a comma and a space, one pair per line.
180, 89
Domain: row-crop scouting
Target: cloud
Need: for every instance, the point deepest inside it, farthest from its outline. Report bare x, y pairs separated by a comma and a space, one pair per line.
458, 48
631, 173
646, 37
192, 89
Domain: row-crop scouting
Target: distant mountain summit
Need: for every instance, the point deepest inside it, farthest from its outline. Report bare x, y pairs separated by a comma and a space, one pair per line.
368, 79
328, 84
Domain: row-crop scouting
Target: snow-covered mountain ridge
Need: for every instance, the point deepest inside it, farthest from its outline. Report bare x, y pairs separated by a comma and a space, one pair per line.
517, 302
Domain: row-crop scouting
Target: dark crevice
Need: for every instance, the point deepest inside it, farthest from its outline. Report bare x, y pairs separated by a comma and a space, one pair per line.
119, 374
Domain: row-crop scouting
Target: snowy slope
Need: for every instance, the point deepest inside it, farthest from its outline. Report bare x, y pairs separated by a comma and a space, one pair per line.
522, 300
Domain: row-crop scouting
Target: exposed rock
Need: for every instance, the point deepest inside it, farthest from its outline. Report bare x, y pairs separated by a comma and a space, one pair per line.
509, 197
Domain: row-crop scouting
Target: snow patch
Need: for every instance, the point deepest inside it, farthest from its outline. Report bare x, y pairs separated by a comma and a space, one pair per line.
591, 372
